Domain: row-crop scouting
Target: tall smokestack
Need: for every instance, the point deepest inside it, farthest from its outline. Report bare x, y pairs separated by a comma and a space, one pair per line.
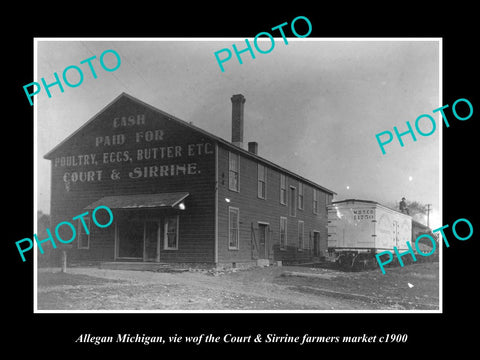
253, 147
237, 119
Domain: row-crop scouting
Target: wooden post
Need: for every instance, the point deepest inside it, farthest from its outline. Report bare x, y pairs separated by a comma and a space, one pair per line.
64, 261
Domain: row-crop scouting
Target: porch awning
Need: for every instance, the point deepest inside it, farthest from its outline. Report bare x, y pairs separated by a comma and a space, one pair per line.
140, 201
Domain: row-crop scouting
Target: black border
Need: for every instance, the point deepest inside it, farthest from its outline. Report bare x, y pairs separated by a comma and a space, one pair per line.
56, 332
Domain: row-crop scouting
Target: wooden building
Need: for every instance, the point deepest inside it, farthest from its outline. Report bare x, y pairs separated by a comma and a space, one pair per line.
180, 194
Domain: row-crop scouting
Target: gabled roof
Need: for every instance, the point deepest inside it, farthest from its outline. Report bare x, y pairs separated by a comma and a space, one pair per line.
215, 138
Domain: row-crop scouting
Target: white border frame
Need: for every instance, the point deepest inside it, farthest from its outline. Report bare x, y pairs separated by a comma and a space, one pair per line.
286, 190
293, 206
371, 311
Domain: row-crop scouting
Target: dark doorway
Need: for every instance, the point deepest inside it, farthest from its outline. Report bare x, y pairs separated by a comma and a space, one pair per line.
130, 239
152, 241
263, 242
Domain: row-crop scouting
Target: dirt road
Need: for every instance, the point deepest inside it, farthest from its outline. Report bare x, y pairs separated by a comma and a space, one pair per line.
271, 288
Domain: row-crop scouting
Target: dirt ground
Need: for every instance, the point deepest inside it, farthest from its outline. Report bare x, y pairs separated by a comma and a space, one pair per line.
269, 288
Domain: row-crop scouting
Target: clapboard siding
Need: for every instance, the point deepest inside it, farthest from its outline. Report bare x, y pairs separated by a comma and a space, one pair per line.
254, 210
114, 162
197, 221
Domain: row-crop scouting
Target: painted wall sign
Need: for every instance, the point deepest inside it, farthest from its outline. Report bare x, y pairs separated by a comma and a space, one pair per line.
150, 152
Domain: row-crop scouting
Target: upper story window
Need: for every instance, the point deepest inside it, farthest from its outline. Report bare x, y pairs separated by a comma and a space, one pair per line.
300, 195
234, 172
262, 181
315, 201
283, 189
293, 202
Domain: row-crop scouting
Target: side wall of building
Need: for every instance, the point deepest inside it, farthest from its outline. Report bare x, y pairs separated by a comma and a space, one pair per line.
255, 213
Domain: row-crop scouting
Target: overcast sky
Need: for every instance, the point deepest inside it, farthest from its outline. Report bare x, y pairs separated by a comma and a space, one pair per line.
314, 106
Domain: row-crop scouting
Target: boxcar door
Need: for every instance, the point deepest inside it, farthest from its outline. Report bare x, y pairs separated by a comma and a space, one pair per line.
316, 244
395, 233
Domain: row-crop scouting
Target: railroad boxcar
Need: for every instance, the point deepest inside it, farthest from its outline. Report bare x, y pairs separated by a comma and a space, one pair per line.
359, 229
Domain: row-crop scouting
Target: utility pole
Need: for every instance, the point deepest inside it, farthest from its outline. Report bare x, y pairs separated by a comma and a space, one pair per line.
428, 214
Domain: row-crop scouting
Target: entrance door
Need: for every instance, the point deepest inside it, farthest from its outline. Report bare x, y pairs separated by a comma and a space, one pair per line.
151, 250
263, 241
316, 244
395, 233
130, 239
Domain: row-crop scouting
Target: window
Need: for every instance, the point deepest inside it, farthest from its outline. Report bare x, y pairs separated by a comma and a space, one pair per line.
283, 190
262, 181
300, 196
84, 233
283, 232
171, 233
233, 228
293, 201
301, 237
234, 172
315, 201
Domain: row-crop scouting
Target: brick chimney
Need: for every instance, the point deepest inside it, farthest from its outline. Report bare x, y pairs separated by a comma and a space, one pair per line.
253, 147
237, 119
